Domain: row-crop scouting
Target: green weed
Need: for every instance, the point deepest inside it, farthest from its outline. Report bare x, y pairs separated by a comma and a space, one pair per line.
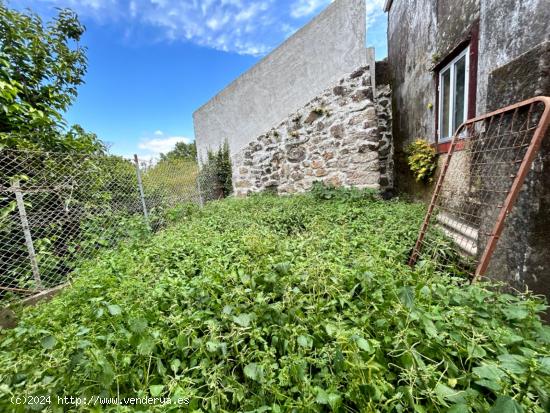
281, 305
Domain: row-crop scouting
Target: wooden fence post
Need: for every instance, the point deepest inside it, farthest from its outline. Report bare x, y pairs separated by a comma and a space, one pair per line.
16, 188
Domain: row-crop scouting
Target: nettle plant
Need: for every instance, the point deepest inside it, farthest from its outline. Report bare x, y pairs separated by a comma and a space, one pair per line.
292, 304
422, 159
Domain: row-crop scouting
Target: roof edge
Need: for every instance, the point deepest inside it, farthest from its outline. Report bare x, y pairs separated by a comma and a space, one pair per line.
387, 5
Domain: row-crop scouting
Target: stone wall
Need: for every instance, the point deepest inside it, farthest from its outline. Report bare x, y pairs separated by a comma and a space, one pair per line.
385, 150
342, 137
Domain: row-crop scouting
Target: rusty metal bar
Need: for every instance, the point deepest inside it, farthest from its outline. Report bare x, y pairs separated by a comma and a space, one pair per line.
534, 147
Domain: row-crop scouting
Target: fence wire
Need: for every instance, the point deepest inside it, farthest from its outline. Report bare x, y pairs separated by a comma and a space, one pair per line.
480, 180
59, 209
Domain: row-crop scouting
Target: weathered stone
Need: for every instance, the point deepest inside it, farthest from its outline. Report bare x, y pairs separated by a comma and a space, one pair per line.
370, 114
359, 72
312, 117
362, 94
316, 164
339, 91
331, 138
242, 184
296, 154
337, 131
335, 181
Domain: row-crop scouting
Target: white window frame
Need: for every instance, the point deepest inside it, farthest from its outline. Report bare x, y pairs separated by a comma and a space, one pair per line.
445, 136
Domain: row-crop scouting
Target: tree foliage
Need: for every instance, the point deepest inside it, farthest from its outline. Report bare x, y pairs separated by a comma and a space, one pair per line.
216, 173
41, 67
182, 150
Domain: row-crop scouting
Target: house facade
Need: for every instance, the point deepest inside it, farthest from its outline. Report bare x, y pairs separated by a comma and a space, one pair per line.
450, 61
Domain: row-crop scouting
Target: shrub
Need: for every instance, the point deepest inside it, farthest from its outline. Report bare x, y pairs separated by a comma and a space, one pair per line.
422, 160
216, 174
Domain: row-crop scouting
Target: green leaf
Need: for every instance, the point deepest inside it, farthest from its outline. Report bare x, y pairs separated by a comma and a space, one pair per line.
137, 325
444, 392
515, 313
364, 345
254, 371
48, 342
488, 371
156, 390
406, 296
429, 327
459, 408
514, 363
114, 309
243, 320
304, 341
505, 404
175, 364
146, 345
544, 367
476, 351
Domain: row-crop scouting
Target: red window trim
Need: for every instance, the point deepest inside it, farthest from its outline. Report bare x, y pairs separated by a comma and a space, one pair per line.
471, 39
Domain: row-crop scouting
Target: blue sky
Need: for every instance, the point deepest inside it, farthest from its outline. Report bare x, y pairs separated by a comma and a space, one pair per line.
153, 62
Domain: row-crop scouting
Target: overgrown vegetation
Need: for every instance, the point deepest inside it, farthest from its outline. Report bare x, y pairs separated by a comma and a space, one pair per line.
422, 159
297, 304
216, 177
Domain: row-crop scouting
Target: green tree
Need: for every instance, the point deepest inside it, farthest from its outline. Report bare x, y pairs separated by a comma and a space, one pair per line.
41, 67
182, 150
216, 173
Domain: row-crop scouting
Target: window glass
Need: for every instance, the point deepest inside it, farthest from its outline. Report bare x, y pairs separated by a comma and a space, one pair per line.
446, 103
453, 95
460, 93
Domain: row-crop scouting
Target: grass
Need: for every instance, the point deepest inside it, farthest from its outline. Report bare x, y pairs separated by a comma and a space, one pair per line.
297, 304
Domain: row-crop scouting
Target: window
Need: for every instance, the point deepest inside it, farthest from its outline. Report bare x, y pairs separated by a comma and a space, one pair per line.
453, 95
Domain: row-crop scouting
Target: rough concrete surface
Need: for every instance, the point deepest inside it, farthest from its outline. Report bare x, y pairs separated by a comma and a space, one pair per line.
314, 58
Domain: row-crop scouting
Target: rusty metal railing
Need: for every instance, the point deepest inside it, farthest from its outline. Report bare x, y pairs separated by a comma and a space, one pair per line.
483, 172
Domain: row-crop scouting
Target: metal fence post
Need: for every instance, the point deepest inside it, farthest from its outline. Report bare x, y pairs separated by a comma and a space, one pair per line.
141, 193
16, 188
201, 200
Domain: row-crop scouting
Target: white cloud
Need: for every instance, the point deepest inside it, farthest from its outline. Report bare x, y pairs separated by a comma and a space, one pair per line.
375, 8
156, 146
249, 27
302, 8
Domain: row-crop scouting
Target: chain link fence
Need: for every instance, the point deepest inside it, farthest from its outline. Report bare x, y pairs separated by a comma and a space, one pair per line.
59, 209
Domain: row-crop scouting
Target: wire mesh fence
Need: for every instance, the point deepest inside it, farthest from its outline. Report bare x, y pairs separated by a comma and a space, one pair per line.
479, 183
59, 209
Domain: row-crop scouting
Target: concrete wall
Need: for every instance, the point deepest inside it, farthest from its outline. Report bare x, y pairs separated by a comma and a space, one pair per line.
421, 33
508, 29
315, 57
513, 64
522, 258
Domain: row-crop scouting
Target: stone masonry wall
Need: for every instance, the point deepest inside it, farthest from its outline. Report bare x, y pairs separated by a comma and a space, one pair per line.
385, 150
335, 138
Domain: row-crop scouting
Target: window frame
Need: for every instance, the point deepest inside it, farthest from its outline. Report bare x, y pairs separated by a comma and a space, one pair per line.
452, 95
